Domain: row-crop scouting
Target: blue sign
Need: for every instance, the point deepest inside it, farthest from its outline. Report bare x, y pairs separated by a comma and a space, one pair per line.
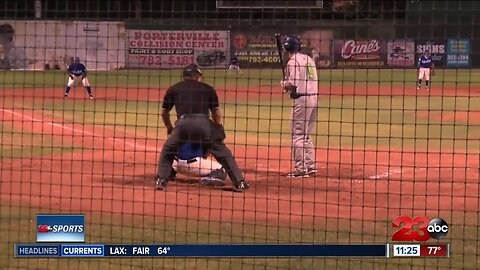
60, 228
458, 53
82, 250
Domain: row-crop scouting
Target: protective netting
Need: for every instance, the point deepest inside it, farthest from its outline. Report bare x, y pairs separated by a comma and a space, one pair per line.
383, 148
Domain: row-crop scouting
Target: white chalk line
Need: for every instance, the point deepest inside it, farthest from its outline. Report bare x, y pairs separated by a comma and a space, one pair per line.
386, 174
83, 132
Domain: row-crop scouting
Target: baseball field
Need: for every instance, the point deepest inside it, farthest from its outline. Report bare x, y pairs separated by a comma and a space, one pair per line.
384, 149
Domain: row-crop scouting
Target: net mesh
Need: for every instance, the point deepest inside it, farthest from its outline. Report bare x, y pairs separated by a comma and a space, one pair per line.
383, 148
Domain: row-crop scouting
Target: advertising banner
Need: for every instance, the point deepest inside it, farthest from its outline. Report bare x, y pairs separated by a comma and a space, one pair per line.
39, 45
176, 49
437, 49
257, 48
458, 53
401, 53
360, 53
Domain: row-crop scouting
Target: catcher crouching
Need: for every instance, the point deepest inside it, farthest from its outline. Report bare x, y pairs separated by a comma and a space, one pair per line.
192, 161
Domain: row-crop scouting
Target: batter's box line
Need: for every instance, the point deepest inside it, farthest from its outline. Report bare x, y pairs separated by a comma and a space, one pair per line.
394, 172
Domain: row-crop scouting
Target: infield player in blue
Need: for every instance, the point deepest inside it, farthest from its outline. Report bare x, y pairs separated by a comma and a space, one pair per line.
425, 68
234, 65
77, 72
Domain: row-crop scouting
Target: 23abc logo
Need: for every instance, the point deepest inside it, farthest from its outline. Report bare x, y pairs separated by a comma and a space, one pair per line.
419, 228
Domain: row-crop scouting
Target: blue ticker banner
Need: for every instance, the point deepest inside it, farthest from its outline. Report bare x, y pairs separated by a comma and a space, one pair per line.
60, 228
265, 250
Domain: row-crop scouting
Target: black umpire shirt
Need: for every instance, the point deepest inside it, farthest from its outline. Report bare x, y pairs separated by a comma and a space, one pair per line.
191, 97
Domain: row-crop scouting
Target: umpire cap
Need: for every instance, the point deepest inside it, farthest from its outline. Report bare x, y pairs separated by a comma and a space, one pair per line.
192, 70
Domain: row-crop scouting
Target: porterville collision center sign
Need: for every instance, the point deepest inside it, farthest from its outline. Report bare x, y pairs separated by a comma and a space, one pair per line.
176, 49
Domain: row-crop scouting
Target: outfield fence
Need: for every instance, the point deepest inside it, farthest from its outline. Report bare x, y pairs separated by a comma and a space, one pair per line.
386, 152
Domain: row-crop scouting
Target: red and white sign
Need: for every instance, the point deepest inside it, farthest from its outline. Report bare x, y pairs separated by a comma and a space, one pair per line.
359, 53
361, 49
174, 49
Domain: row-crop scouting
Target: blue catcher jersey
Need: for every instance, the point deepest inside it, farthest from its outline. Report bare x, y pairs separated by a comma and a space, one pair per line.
77, 69
425, 62
190, 151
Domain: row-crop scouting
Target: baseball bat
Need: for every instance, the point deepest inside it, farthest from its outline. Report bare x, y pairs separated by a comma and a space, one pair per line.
293, 89
278, 38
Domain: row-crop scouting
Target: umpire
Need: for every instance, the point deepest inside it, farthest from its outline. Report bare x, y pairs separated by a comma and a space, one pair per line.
193, 101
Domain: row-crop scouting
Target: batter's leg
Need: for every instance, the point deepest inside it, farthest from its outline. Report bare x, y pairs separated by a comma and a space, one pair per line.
299, 136
310, 153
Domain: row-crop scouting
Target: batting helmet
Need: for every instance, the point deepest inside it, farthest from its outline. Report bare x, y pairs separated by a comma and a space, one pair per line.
292, 44
77, 59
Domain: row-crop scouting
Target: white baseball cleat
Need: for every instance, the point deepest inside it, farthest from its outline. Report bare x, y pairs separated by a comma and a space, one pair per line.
90, 97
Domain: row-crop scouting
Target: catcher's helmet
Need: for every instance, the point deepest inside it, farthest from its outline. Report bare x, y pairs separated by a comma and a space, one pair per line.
292, 44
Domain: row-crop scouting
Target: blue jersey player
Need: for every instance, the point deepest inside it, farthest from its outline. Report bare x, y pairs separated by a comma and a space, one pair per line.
77, 72
191, 161
425, 65
234, 65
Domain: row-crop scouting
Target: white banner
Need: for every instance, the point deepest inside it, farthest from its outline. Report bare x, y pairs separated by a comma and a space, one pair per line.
175, 49
38, 44
401, 53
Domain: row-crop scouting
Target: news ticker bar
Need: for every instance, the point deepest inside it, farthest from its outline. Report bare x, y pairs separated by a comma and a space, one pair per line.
270, 250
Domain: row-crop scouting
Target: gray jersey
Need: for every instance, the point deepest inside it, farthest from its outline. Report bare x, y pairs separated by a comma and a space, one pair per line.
302, 72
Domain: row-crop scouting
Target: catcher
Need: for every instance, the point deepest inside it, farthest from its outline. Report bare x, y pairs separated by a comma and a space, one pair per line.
192, 161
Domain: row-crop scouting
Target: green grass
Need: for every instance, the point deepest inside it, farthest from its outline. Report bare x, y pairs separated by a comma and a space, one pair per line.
109, 228
218, 77
347, 121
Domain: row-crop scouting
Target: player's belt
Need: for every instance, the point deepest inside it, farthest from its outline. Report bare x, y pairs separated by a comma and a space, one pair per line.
193, 115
